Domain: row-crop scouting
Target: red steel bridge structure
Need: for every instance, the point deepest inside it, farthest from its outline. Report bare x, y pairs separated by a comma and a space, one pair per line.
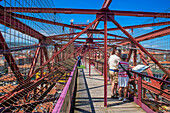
38, 54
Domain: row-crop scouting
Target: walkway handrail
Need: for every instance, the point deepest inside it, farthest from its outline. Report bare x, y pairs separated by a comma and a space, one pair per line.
60, 101
142, 86
141, 74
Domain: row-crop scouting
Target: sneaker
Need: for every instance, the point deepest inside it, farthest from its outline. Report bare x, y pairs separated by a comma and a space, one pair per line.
125, 100
112, 95
120, 98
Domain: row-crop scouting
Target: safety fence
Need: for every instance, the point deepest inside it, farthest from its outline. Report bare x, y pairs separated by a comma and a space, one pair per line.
40, 94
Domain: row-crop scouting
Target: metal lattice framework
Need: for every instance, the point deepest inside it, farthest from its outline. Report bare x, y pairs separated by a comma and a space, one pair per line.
38, 54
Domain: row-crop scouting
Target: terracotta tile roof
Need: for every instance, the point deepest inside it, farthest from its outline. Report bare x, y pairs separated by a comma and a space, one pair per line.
8, 77
7, 88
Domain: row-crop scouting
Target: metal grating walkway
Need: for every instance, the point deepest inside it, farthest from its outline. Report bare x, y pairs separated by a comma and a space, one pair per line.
90, 96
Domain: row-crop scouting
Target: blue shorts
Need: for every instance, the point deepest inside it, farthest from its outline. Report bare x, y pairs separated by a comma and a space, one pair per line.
113, 70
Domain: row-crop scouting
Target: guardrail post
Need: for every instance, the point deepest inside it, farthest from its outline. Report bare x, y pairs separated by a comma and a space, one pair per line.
139, 89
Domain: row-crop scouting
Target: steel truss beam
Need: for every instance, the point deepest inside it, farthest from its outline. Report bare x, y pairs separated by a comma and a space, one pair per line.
112, 29
154, 34
34, 61
86, 11
140, 26
141, 54
105, 60
113, 35
78, 49
71, 41
45, 21
13, 23
106, 4
10, 60
110, 39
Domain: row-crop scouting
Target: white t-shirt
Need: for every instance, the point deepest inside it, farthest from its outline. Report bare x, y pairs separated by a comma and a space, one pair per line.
113, 61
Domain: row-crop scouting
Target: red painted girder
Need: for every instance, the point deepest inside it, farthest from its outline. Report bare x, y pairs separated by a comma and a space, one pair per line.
141, 47
46, 57
34, 61
129, 55
141, 54
152, 35
164, 77
94, 27
45, 21
163, 93
86, 11
10, 60
156, 89
105, 61
93, 42
12, 49
71, 41
53, 37
19, 26
112, 29
139, 26
41, 61
99, 49
111, 39
77, 49
106, 4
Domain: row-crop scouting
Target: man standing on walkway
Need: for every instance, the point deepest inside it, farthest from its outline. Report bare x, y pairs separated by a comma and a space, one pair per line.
113, 71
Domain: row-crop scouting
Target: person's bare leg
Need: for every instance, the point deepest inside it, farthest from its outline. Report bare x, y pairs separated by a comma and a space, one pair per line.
112, 88
125, 91
115, 89
120, 91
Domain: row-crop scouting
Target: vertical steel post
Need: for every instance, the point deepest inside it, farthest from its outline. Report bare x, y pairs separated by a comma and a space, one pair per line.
85, 58
89, 61
42, 70
134, 60
129, 55
41, 61
139, 89
105, 61
56, 49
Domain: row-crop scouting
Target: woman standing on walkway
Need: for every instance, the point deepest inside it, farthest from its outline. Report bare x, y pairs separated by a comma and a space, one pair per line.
123, 77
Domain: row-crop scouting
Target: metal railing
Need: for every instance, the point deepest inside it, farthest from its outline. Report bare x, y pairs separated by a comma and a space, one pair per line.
149, 96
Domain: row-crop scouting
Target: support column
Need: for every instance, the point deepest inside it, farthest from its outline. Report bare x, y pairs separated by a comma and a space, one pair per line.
105, 61
89, 61
134, 59
85, 58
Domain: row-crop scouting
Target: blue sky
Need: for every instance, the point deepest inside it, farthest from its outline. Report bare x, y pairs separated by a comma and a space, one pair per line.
127, 5
122, 5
